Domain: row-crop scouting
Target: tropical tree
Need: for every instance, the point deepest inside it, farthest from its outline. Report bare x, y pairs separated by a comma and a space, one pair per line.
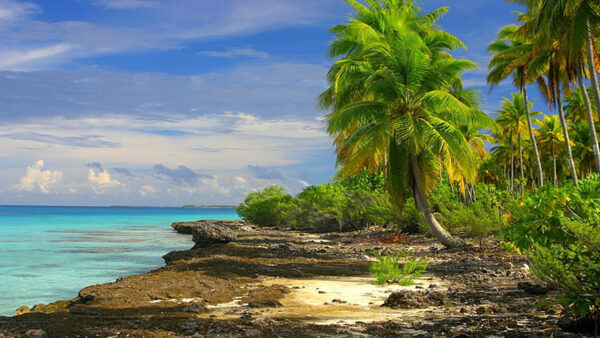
397, 102
512, 57
514, 120
575, 106
571, 25
551, 138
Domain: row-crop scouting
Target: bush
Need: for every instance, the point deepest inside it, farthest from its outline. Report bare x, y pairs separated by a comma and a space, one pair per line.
265, 208
559, 229
350, 204
387, 269
479, 218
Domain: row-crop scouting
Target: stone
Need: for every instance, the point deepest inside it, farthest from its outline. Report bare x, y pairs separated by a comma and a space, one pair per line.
188, 227
36, 334
533, 289
415, 299
205, 235
22, 310
195, 308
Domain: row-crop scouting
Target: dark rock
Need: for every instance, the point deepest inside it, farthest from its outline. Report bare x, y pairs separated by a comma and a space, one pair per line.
415, 299
196, 308
205, 235
533, 289
583, 325
339, 301
188, 227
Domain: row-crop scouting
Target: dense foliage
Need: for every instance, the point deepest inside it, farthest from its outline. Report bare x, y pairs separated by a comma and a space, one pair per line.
559, 228
349, 204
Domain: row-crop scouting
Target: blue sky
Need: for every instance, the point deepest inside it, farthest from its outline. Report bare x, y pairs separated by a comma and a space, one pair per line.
143, 102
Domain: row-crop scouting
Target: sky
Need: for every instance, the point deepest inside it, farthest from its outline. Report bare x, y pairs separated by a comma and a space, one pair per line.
166, 103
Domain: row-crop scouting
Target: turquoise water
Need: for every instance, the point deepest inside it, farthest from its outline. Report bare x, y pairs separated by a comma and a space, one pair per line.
50, 253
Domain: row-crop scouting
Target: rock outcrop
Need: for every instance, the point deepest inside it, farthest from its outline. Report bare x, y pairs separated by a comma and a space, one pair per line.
205, 235
188, 227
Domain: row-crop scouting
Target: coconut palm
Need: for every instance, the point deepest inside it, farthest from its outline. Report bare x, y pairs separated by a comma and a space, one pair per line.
513, 120
397, 102
551, 138
575, 106
512, 57
572, 25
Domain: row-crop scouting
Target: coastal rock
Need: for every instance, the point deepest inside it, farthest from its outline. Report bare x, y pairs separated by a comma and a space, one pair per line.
22, 310
188, 227
415, 299
205, 235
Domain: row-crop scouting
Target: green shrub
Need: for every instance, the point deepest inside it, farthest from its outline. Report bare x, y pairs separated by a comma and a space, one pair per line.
350, 204
477, 219
266, 207
397, 269
559, 229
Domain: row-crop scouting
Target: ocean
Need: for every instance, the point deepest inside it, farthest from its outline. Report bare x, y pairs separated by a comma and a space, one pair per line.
50, 253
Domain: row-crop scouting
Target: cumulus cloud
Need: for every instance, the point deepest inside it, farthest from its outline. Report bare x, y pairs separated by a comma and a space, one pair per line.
234, 53
180, 175
102, 181
38, 179
264, 173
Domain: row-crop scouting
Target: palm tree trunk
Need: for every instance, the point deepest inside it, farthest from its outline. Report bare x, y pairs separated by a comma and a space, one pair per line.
592, 67
532, 138
555, 177
561, 117
590, 115
512, 167
437, 230
521, 165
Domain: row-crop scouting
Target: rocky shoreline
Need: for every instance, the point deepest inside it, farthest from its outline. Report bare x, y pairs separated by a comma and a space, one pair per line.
247, 281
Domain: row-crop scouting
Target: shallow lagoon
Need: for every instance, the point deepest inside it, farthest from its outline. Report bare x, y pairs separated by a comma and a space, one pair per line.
50, 253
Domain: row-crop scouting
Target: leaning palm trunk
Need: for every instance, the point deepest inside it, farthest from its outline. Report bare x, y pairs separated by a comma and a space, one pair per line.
590, 115
561, 117
437, 230
536, 154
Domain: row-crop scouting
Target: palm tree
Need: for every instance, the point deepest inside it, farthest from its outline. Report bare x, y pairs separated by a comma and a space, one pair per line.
575, 106
550, 139
397, 102
572, 25
512, 57
582, 148
514, 119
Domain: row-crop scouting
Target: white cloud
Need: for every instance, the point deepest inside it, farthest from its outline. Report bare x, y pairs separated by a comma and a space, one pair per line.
234, 53
161, 25
303, 183
38, 179
20, 59
102, 181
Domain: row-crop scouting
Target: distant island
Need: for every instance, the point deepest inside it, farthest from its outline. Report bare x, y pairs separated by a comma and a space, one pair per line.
209, 206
